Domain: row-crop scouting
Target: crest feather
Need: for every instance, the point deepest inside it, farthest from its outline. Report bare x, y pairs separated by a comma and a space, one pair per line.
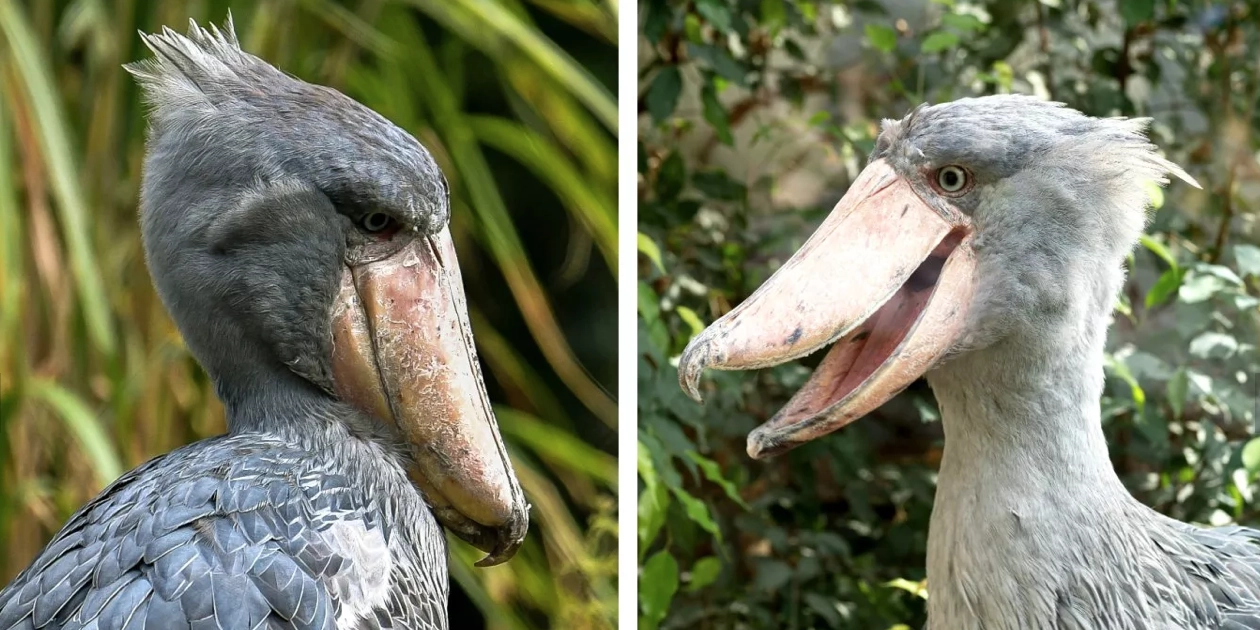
185, 68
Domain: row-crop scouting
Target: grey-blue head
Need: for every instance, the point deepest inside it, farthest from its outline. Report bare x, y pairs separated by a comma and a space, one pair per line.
254, 184
977, 221
299, 240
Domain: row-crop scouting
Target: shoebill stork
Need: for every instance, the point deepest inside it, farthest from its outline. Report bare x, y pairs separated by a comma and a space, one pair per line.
983, 247
299, 241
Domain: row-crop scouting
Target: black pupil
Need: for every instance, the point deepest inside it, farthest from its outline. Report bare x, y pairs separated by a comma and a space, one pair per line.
951, 178
375, 222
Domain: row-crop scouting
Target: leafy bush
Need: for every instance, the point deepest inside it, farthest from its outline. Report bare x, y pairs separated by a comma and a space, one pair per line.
754, 116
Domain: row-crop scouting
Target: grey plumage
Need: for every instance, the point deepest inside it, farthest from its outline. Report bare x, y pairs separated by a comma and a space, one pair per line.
239, 532
1031, 527
303, 515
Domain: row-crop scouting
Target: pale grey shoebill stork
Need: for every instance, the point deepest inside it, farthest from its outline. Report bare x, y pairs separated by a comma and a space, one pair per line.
983, 247
299, 241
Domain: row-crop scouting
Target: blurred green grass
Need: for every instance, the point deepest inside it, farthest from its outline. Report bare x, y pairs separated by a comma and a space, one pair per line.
514, 101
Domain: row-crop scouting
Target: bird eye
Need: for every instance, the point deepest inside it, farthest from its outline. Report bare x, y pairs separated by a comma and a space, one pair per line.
375, 222
951, 179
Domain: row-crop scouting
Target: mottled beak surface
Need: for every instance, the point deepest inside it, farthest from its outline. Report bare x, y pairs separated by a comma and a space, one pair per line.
886, 278
403, 351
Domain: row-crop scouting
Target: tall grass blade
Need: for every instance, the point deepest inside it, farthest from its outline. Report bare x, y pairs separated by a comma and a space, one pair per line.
477, 21
55, 143
83, 425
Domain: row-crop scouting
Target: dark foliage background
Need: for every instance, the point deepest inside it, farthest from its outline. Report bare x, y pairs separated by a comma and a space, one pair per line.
513, 98
754, 117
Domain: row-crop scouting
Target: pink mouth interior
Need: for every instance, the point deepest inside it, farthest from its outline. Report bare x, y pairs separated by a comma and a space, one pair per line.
854, 358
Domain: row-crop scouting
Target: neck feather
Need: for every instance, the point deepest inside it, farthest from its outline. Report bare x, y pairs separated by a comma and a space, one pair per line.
1026, 488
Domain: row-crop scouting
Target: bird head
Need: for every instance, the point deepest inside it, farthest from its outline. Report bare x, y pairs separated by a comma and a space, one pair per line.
974, 221
299, 239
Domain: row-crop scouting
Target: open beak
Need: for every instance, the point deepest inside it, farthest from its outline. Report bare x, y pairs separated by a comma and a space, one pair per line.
403, 352
886, 279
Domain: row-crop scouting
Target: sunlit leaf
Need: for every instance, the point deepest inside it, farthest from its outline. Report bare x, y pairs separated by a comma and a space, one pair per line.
657, 585
773, 14
1167, 285
881, 37
939, 41
649, 248
964, 22
1248, 257
697, 511
918, 589
1251, 456
704, 572
1213, 345
713, 473
693, 321
1159, 249
1121, 371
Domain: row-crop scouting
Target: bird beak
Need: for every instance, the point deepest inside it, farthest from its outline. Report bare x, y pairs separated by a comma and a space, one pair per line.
887, 279
403, 352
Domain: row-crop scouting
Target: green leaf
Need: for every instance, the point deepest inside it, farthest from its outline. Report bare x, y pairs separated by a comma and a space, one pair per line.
1200, 287
1135, 11
653, 509
1248, 258
1251, 456
662, 96
771, 574
716, 114
1121, 371
653, 501
1154, 195
1159, 249
881, 37
1177, 388
964, 22
697, 511
1003, 74
649, 303
657, 585
720, 61
1213, 345
649, 248
713, 473
773, 15
717, 184
1163, 288
1201, 382
704, 572
1220, 271
939, 41
826, 607
692, 320
918, 589
716, 13
670, 178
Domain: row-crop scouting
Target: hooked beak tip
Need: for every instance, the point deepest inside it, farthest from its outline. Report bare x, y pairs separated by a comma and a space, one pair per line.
763, 445
691, 366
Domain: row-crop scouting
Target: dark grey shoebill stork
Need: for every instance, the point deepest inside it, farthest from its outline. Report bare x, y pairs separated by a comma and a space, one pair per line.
299, 241
983, 247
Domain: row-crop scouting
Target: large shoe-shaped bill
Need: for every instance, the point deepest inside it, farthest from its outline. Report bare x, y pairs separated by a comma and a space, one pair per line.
886, 279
